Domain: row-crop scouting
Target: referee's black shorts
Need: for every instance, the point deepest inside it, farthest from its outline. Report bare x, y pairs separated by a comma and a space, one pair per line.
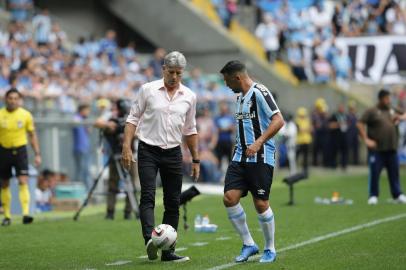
13, 157
249, 176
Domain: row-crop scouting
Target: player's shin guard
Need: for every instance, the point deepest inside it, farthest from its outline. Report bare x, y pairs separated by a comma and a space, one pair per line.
237, 217
6, 201
24, 194
267, 222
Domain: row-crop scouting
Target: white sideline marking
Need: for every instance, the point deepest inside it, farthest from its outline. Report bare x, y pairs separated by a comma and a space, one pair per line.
118, 263
199, 244
322, 238
223, 238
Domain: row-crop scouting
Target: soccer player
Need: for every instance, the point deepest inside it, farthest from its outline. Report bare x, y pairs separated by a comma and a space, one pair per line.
258, 119
167, 109
15, 123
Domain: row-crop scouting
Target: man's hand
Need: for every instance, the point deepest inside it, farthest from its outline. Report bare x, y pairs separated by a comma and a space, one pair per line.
37, 160
126, 157
253, 148
371, 144
195, 171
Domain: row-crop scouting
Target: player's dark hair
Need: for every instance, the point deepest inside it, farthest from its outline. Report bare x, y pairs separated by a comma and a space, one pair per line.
233, 67
13, 90
383, 93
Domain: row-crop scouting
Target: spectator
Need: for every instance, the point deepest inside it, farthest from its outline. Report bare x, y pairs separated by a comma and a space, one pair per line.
109, 45
322, 69
129, 52
20, 9
42, 27
57, 35
207, 142
43, 193
289, 135
320, 132
226, 10
353, 141
338, 125
268, 33
296, 61
157, 62
82, 147
304, 137
342, 68
225, 128
196, 82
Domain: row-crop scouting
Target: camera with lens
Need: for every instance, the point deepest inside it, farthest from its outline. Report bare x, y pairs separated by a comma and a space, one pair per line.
115, 136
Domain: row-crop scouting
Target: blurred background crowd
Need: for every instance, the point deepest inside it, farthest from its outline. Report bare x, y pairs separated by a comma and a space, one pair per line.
81, 80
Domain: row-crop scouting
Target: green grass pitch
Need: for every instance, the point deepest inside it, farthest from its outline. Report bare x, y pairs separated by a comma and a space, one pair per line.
92, 242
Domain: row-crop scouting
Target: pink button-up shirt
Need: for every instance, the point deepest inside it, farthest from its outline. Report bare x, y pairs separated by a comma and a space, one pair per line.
160, 120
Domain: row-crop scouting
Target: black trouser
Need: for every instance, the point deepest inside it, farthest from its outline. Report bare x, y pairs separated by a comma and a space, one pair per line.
113, 189
321, 148
339, 146
224, 149
169, 163
303, 150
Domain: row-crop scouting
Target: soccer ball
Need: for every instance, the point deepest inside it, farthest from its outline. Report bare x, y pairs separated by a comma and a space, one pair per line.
164, 236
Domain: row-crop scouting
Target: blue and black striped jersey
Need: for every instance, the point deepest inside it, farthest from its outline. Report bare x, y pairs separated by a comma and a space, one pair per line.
253, 116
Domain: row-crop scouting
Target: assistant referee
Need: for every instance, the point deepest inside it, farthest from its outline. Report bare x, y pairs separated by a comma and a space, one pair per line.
15, 123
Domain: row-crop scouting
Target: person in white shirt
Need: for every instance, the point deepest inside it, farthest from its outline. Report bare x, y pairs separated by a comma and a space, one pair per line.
268, 33
161, 115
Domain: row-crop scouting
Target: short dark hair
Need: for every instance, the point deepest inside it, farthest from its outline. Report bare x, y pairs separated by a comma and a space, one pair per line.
232, 67
383, 93
13, 90
82, 107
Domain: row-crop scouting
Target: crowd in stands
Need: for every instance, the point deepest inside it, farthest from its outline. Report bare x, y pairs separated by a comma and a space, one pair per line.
36, 58
303, 33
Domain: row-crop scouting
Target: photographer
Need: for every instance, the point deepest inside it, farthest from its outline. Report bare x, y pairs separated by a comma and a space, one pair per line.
113, 131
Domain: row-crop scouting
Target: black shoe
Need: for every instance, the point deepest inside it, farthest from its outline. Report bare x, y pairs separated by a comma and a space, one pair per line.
152, 250
27, 219
109, 216
6, 222
170, 256
127, 215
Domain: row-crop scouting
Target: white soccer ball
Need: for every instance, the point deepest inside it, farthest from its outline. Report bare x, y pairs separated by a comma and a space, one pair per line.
164, 236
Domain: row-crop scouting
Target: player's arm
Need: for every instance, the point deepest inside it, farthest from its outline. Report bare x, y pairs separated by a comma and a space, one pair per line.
191, 138
363, 134
268, 106
362, 128
32, 137
276, 124
108, 126
133, 118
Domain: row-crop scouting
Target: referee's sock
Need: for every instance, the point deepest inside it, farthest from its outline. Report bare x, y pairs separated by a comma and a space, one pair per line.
6, 201
267, 222
24, 194
237, 217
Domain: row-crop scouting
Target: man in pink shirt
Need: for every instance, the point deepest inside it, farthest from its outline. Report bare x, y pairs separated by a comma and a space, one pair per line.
162, 114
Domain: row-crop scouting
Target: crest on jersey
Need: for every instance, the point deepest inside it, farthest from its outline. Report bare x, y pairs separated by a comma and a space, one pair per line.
19, 124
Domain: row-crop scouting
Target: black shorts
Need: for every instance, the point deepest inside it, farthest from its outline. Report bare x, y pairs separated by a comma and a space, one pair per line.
15, 157
253, 177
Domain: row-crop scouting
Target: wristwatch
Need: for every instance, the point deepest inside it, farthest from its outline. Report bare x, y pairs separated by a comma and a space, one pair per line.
196, 161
